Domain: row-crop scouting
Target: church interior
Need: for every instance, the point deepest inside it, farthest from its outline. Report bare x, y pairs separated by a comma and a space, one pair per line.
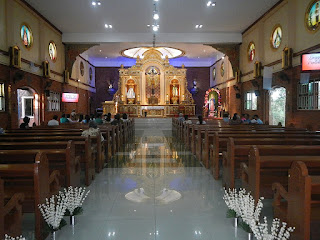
159, 120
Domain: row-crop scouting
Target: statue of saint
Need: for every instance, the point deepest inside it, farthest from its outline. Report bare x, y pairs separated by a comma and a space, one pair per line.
175, 92
130, 93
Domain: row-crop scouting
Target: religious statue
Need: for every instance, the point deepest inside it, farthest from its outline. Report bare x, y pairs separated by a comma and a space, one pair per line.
175, 92
131, 95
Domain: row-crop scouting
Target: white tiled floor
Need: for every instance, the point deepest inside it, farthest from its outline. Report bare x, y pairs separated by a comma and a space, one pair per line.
153, 162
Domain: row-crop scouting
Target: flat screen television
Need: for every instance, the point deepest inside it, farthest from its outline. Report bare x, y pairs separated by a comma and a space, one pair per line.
310, 62
70, 97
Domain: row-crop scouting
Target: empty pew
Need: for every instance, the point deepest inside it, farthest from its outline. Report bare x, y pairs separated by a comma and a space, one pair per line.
61, 158
34, 182
238, 151
10, 213
268, 165
300, 204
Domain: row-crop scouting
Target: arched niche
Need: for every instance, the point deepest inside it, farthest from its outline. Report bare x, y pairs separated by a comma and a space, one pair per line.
131, 90
174, 91
212, 103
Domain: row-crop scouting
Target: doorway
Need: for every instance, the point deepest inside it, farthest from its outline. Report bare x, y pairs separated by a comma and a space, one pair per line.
28, 105
277, 109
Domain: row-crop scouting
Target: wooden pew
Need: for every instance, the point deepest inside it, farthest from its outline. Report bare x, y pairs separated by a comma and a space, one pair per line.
268, 165
33, 181
219, 144
10, 213
62, 159
301, 203
238, 151
83, 150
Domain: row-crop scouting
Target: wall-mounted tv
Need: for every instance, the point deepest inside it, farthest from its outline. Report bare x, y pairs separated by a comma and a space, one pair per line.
310, 62
70, 97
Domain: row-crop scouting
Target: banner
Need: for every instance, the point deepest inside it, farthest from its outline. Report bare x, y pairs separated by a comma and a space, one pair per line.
267, 78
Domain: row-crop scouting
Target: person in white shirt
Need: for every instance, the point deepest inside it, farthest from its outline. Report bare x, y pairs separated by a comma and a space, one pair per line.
54, 121
186, 120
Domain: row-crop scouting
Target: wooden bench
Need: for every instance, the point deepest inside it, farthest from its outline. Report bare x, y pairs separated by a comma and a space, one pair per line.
10, 213
219, 144
34, 182
62, 159
301, 203
268, 165
238, 151
83, 149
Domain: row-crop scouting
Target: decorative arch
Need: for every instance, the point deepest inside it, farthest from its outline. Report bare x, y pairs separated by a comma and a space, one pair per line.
212, 103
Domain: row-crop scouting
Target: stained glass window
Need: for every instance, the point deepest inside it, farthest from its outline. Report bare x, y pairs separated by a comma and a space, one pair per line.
276, 37
251, 51
52, 51
214, 73
81, 68
313, 16
26, 36
222, 69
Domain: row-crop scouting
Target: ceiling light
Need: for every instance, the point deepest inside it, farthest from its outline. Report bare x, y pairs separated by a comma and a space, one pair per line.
213, 4
106, 57
222, 57
156, 16
99, 3
106, 26
155, 28
156, 0
94, 3
100, 50
148, 25
200, 26
110, 26
209, 3
197, 26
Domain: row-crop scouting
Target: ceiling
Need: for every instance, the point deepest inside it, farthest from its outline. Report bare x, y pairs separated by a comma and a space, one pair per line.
108, 54
81, 22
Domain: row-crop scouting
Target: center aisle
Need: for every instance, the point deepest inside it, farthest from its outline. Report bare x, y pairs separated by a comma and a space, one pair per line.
153, 190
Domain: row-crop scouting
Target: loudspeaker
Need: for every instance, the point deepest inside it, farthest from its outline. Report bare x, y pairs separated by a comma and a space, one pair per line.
257, 93
47, 93
238, 95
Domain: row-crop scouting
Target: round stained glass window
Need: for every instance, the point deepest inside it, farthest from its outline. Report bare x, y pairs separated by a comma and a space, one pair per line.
26, 35
81, 68
52, 51
313, 16
276, 37
214, 73
222, 69
251, 51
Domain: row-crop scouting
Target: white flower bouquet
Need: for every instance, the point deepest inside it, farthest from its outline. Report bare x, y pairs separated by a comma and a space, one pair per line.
53, 211
261, 230
7, 237
75, 197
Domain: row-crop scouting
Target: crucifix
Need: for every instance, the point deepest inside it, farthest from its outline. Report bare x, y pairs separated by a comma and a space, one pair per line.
152, 76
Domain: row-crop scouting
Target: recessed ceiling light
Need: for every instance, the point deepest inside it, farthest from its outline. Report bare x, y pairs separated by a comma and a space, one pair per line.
222, 57
148, 25
211, 4
204, 50
106, 57
100, 50
200, 26
156, 16
156, 0
155, 28
94, 3
108, 26
99, 3
197, 26
198, 57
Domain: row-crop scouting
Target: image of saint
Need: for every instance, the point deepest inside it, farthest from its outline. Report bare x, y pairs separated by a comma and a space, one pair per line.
251, 53
26, 36
175, 92
277, 36
130, 93
314, 16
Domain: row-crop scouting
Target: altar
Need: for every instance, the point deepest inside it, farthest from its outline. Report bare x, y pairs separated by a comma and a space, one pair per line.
152, 88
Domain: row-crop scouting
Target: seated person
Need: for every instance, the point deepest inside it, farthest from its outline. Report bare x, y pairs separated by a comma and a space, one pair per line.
92, 131
86, 119
256, 120
246, 119
108, 118
235, 120
116, 120
200, 120
63, 119
98, 119
25, 124
80, 120
54, 121
186, 120
69, 118
226, 117
181, 118
125, 117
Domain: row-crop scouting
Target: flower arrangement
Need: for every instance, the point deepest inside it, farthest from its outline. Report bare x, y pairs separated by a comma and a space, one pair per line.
53, 211
241, 204
261, 231
75, 197
7, 237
